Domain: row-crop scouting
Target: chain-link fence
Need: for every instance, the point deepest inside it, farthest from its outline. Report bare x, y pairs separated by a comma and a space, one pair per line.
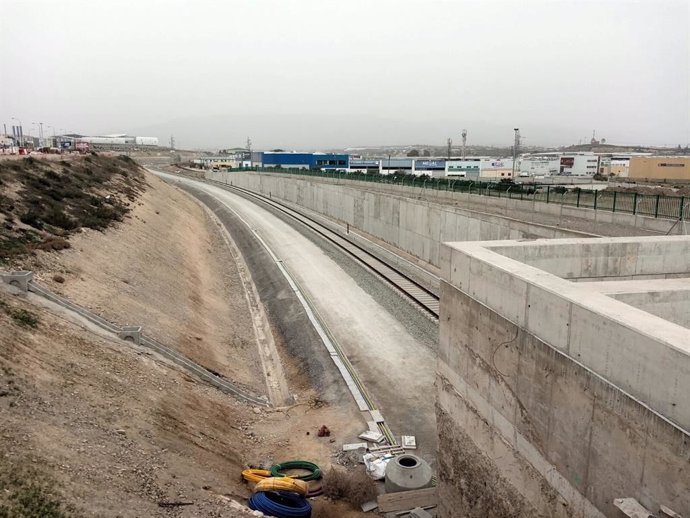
653, 205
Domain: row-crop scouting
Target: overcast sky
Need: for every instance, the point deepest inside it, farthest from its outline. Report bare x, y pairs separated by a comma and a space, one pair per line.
307, 74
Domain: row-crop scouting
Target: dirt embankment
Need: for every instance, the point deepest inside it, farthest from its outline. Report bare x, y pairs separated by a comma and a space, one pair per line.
43, 202
96, 427
168, 270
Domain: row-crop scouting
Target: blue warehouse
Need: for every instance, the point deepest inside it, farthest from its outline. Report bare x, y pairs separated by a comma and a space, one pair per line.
305, 160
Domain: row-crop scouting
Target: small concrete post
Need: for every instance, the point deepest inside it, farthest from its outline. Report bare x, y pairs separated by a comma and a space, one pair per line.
19, 279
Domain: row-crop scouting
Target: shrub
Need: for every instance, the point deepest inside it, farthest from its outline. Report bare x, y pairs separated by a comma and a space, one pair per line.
31, 218
355, 487
53, 244
24, 318
28, 493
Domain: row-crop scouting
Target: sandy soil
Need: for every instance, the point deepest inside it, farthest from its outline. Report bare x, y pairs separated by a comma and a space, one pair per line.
118, 429
169, 270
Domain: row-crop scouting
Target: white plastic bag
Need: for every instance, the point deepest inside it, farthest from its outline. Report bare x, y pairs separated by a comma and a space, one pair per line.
376, 466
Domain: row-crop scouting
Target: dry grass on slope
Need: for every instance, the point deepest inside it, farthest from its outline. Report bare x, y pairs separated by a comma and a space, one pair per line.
43, 202
96, 427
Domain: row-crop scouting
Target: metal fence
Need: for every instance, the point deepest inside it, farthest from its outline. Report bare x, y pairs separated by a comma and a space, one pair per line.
652, 205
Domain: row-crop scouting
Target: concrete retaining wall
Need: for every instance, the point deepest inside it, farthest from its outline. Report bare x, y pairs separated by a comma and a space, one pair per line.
525, 431
413, 225
529, 210
557, 397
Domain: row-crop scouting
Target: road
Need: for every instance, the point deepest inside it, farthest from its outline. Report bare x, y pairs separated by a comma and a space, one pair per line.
397, 370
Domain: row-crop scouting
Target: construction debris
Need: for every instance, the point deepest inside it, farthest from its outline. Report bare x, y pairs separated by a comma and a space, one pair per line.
354, 446
373, 427
372, 436
369, 506
632, 508
403, 500
408, 442
376, 466
376, 416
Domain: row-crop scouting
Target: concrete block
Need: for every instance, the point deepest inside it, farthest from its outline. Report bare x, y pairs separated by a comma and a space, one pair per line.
131, 333
18, 279
632, 508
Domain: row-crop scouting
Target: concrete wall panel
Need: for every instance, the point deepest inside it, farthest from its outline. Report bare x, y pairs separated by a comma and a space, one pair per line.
579, 438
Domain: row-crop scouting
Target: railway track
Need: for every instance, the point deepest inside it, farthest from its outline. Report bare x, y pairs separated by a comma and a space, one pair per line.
418, 294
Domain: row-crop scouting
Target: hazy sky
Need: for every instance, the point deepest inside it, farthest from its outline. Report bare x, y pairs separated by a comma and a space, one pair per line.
308, 74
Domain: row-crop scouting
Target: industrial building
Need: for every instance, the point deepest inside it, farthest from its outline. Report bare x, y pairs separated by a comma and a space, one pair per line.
480, 167
216, 163
660, 168
552, 164
361, 165
117, 140
294, 160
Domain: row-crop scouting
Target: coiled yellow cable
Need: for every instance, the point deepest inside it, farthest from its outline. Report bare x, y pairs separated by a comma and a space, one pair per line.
283, 484
255, 475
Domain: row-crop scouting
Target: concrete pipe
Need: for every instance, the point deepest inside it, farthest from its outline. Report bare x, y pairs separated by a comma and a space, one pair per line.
407, 472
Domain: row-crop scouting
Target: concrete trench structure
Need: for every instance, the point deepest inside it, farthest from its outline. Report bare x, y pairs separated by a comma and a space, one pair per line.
556, 393
564, 364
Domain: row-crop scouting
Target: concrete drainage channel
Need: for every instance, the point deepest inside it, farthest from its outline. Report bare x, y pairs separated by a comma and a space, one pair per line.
24, 282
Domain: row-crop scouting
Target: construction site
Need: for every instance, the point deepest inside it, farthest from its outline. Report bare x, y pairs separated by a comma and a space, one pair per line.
175, 341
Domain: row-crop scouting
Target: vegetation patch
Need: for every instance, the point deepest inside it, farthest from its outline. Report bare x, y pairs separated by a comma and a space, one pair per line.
26, 493
352, 486
43, 202
21, 317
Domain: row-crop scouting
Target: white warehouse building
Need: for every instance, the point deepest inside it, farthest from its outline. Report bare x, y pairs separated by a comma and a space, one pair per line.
553, 164
119, 140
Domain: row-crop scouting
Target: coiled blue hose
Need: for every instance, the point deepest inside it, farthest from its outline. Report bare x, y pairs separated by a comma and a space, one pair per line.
281, 504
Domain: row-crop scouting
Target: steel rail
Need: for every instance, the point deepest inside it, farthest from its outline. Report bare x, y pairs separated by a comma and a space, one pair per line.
424, 298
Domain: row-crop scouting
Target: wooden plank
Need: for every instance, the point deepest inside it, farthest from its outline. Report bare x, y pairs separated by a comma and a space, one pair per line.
407, 500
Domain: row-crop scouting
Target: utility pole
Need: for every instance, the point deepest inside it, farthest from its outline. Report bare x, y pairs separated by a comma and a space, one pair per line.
464, 142
516, 147
450, 144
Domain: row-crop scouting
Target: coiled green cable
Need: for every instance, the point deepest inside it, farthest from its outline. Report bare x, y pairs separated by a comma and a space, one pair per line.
297, 464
